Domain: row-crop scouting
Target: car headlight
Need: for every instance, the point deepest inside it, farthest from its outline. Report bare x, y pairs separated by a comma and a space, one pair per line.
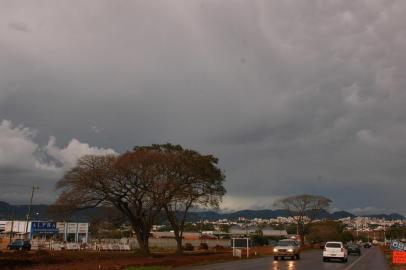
290, 250
275, 250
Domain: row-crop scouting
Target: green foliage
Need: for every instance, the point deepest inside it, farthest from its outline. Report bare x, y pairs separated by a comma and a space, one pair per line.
188, 247
291, 228
259, 233
396, 232
203, 246
325, 231
259, 240
198, 227
166, 228
141, 184
361, 238
347, 236
224, 228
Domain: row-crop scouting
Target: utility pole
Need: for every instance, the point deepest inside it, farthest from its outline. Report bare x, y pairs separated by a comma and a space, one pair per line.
34, 188
12, 226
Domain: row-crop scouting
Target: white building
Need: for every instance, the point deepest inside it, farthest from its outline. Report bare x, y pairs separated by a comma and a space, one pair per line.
2, 226
67, 231
267, 231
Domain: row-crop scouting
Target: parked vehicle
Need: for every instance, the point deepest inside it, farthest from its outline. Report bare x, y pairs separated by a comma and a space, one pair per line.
367, 245
287, 248
354, 249
335, 250
19, 244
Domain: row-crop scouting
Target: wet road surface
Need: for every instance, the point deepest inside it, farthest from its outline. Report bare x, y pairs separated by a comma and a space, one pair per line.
371, 259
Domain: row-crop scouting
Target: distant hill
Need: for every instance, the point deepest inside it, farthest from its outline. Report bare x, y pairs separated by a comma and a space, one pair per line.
341, 214
40, 212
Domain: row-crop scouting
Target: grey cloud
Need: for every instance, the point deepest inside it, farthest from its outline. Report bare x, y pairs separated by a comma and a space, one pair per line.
18, 26
281, 91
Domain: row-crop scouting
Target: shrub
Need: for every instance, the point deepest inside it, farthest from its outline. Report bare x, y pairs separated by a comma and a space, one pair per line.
219, 247
204, 246
258, 240
188, 247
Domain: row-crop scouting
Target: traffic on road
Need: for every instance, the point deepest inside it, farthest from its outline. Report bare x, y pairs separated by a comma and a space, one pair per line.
371, 259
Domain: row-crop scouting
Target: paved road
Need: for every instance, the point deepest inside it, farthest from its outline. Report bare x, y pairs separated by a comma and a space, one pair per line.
371, 259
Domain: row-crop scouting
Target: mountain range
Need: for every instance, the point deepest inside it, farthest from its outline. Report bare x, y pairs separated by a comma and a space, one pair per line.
40, 212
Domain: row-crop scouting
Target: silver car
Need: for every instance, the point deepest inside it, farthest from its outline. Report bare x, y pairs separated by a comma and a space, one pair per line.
287, 248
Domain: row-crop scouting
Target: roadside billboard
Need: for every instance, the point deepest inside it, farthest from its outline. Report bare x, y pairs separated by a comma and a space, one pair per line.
398, 252
398, 257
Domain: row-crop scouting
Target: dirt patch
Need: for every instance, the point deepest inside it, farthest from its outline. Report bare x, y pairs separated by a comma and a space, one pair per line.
81, 260
92, 260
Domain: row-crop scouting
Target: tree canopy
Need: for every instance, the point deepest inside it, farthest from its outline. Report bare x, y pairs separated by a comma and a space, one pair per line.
142, 183
303, 209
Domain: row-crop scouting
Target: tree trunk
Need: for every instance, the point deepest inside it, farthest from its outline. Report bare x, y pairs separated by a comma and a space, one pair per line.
143, 245
179, 247
178, 238
301, 233
142, 235
177, 229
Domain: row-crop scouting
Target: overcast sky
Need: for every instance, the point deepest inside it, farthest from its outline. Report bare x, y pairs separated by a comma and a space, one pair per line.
292, 96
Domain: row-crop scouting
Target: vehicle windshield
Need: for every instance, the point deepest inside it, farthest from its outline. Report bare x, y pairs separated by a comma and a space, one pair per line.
333, 245
286, 243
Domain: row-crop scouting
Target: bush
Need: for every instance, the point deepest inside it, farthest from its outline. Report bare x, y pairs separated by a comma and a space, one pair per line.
219, 247
188, 247
347, 237
204, 246
258, 240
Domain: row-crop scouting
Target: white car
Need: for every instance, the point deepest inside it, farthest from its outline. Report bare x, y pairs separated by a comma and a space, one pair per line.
335, 250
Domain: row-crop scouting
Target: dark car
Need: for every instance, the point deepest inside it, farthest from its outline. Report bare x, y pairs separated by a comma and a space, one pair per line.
19, 245
354, 249
367, 245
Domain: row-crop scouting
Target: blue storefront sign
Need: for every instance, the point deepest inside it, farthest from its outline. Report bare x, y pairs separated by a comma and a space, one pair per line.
43, 227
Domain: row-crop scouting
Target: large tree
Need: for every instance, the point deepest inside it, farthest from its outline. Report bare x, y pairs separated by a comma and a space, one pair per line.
195, 181
133, 183
303, 209
142, 183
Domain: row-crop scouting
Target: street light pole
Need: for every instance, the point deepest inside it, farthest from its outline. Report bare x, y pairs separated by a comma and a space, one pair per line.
29, 210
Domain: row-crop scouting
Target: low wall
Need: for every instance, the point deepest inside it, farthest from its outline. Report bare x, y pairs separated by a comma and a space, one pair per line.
166, 243
171, 243
118, 244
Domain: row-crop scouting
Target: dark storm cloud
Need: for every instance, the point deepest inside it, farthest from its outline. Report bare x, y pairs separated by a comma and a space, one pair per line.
292, 96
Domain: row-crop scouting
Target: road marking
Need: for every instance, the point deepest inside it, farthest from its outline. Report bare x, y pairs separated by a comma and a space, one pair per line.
357, 260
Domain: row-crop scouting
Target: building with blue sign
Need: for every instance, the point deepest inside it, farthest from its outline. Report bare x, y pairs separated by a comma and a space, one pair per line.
43, 227
63, 231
